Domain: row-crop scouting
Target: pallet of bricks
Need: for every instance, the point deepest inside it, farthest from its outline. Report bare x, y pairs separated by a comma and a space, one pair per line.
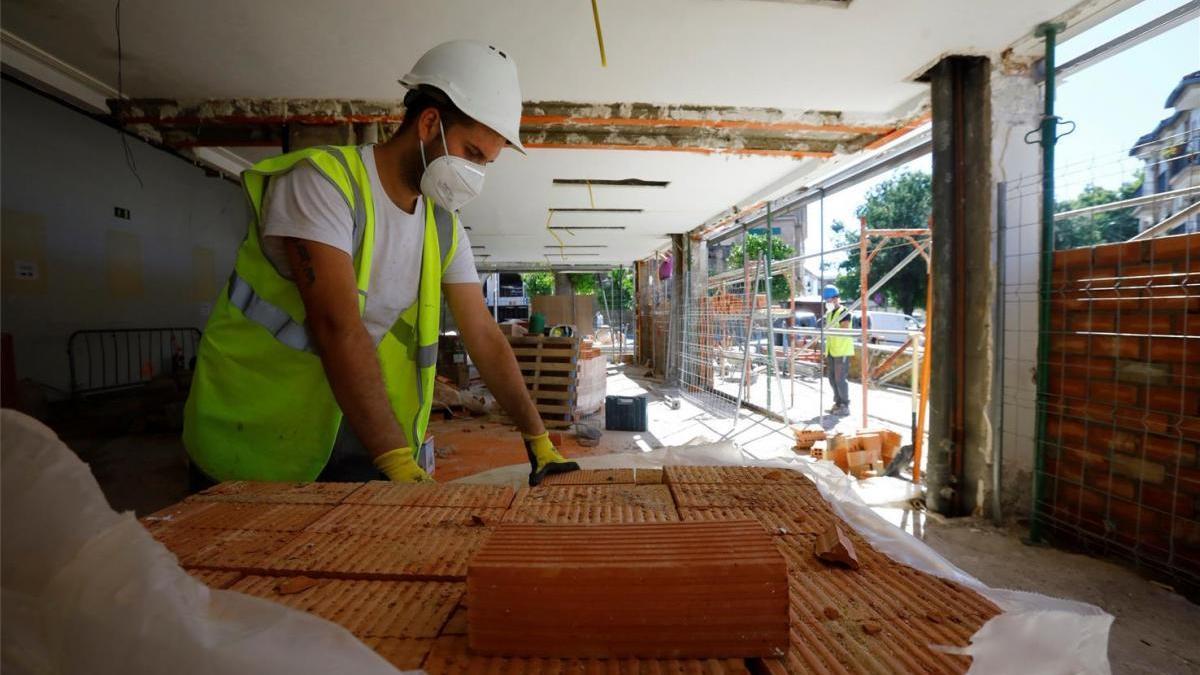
1121, 452
550, 366
390, 562
864, 454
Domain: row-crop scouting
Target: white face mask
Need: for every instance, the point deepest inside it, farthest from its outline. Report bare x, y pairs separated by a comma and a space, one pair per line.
450, 181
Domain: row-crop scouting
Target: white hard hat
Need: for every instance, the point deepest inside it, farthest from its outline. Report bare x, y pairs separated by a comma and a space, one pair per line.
480, 79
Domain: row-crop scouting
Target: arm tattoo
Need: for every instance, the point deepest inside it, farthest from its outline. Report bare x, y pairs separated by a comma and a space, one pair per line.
306, 263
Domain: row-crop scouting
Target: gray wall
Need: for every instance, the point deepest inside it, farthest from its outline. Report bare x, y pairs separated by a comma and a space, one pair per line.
63, 174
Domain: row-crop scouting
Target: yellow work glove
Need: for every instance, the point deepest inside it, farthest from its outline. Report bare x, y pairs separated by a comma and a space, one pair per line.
399, 466
544, 459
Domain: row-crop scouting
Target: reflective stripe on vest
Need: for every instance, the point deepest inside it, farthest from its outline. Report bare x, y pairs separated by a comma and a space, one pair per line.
294, 335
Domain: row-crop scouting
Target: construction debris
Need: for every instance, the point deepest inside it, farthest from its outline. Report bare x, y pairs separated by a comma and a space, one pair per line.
833, 546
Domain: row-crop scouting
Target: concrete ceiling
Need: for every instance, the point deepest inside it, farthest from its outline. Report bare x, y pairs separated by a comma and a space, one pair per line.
837, 67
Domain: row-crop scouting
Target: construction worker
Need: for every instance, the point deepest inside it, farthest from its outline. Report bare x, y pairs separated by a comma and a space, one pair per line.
838, 350
318, 360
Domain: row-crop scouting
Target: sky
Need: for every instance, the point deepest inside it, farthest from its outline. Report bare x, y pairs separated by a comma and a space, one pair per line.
1112, 103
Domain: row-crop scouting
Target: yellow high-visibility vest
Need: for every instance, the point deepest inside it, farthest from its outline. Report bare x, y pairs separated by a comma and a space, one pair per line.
260, 407
838, 345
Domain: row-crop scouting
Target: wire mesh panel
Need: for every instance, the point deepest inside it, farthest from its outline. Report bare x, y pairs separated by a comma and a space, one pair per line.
715, 365
1120, 467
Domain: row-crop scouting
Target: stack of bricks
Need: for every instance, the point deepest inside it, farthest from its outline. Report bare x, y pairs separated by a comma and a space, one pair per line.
389, 562
866, 453
1122, 431
807, 437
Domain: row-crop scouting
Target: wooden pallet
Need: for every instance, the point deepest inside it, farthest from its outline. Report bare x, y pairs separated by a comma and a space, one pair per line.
549, 366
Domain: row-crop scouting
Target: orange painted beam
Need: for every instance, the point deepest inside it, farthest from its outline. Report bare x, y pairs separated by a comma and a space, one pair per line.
899, 131
796, 154
543, 120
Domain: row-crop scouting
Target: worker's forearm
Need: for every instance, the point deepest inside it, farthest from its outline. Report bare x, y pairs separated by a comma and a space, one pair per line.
498, 367
354, 374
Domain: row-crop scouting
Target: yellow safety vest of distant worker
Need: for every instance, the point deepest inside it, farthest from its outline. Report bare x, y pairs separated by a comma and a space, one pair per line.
837, 345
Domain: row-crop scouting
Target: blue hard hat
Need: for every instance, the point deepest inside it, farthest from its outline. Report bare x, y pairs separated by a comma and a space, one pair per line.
830, 292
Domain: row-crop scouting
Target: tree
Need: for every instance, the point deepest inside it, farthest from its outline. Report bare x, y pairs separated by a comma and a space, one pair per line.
904, 201
612, 290
1097, 228
538, 283
756, 244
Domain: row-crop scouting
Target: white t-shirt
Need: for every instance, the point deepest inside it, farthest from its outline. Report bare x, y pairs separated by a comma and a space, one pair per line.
304, 205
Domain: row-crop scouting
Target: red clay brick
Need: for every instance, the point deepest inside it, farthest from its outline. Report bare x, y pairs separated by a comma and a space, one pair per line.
436, 554
775, 522
845, 647
796, 498
397, 609
402, 521
246, 550
1179, 247
1174, 400
591, 477
450, 656
731, 475
215, 578
403, 653
531, 580
593, 504
384, 493
278, 493
655, 476
243, 516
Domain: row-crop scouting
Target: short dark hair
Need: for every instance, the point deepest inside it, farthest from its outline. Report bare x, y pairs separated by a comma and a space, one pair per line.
418, 100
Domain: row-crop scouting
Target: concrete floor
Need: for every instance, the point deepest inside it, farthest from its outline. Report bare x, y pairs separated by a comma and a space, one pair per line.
1156, 630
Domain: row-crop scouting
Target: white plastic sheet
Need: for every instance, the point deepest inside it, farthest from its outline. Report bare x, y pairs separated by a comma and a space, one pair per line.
87, 590
1035, 634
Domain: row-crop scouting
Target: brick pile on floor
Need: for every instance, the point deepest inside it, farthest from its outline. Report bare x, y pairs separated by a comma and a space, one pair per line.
389, 563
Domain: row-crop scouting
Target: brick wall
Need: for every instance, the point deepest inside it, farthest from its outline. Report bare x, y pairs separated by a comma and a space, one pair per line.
1122, 433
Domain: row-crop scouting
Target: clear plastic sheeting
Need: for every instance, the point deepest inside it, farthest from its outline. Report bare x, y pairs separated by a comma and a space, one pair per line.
1035, 634
87, 590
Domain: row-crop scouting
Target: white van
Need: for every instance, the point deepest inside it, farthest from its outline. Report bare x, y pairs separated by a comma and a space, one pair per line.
886, 321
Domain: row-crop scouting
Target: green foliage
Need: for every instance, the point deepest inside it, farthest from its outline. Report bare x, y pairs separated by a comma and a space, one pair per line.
903, 201
538, 283
612, 291
756, 244
1098, 228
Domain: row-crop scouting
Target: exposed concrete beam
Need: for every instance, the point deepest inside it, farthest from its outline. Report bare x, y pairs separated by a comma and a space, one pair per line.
544, 124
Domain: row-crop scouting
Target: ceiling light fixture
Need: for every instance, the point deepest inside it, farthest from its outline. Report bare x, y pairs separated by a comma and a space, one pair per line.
576, 246
571, 255
586, 227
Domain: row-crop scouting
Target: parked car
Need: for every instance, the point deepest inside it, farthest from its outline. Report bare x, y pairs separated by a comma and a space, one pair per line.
800, 319
885, 321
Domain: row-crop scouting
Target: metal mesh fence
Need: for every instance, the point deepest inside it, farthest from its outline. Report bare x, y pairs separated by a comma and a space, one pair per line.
1117, 469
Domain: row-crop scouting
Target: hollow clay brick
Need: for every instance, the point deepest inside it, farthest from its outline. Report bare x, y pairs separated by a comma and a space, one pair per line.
215, 578
777, 522
279, 493
245, 550
593, 504
385, 493
794, 497
843, 647
242, 516
397, 609
451, 656
436, 554
403, 653
648, 476
731, 475
660, 590
401, 521
591, 477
